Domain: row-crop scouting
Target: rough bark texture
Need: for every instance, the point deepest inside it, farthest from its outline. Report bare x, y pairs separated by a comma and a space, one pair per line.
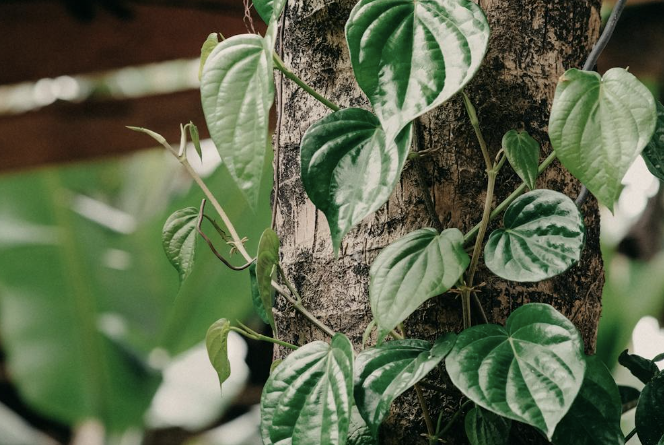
533, 42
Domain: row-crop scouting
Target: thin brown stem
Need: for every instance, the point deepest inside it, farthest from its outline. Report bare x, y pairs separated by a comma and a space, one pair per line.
425, 411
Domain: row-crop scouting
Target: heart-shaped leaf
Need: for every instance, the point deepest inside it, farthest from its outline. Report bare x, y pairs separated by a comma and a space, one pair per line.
349, 168
308, 397
267, 262
385, 372
216, 342
411, 270
594, 418
410, 57
653, 154
486, 428
259, 308
210, 43
599, 125
543, 236
522, 152
179, 240
269, 10
650, 412
237, 91
358, 432
529, 371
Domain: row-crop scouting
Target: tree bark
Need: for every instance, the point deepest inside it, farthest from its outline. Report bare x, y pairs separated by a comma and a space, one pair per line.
533, 42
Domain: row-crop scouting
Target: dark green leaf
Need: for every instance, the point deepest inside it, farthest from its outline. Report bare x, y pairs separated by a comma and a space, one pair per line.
529, 371
522, 152
349, 168
216, 342
661, 441
267, 261
210, 43
599, 125
237, 91
650, 412
411, 270
256, 295
308, 397
269, 10
628, 395
643, 369
658, 358
410, 57
358, 432
653, 154
179, 240
543, 236
594, 418
385, 372
486, 428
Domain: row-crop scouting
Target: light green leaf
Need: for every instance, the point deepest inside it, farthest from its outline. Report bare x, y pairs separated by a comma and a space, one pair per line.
486, 428
543, 236
599, 125
210, 43
594, 418
653, 154
529, 371
179, 240
410, 57
413, 269
195, 138
256, 296
358, 432
650, 412
308, 397
269, 10
385, 372
267, 261
349, 168
522, 152
237, 91
216, 341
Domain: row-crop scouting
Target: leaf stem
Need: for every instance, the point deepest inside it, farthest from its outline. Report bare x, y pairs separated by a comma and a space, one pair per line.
421, 178
279, 64
301, 309
288, 284
246, 332
453, 419
474, 121
425, 411
630, 435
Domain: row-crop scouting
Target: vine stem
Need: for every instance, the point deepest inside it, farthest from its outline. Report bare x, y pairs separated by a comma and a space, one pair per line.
301, 309
281, 66
256, 336
630, 435
450, 423
425, 411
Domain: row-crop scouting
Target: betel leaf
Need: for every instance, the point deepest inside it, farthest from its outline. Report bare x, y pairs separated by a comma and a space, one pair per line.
259, 308
653, 154
650, 412
308, 397
349, 168
486, 428
267, 262
530, 370
641, 368
628, 395
661, 441
385, 372
269, 10
216, 342
358, 432
410, 57
179, 240
210, 43
599, 125
543, 236
411, 270
594, 418
237, 91
522, 152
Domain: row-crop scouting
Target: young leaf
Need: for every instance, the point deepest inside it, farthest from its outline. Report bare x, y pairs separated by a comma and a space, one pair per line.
594, 418
543, 236
643, 369
411, 270
237, 91
349, 168
599, 125
308, 397
522, 152
529, 371
486, 428
385, 372
216, 342
256, 296
210, 43
410, 57
650, 412
267, 261
653, 154
179, 240
358, 432
269, 10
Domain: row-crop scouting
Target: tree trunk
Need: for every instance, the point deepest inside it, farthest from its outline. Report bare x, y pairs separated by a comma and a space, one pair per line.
533, 42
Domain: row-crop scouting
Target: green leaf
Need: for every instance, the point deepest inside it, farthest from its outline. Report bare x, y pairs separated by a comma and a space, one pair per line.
653, 154
216, 341
210, 43
661, 441
643, 369
349, 168
410, 57
486, 428
594, 418
195, 139
267, 262
308, 397
269, 10
543, 236
599, 125
628, 395
256, 296
179, 239
411, 270
385, 372
650, 412
522, 152
237, 91
529, 371
358, 432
